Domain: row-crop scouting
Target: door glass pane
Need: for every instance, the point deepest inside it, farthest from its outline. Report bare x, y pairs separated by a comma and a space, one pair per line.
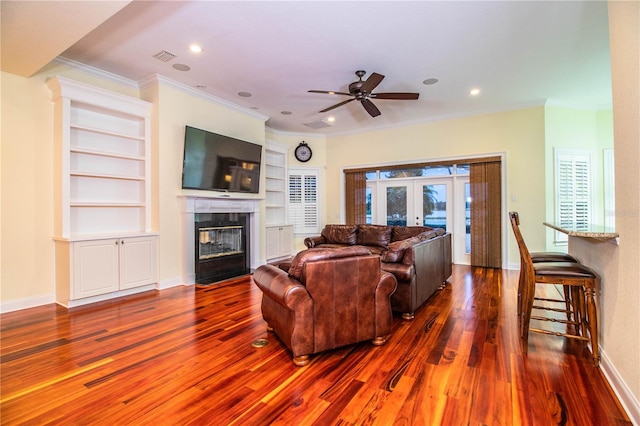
397, 205
434, 206
467, 217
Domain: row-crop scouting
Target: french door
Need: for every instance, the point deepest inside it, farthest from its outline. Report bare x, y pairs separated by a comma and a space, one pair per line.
439, 203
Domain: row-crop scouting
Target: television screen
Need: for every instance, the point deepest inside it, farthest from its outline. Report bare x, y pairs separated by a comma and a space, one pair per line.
219, 163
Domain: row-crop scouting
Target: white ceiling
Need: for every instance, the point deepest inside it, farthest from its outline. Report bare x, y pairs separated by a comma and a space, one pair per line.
518, 53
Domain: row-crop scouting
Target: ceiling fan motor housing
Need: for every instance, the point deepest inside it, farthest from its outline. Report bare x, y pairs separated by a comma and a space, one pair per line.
354, 89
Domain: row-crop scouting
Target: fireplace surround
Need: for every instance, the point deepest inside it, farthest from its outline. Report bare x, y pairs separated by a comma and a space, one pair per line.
228, 244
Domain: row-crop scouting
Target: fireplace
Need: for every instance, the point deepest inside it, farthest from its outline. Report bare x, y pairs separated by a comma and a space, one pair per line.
221, 249
216, 254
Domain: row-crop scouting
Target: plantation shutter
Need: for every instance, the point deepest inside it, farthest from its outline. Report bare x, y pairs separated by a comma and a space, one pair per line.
573, 190
303, 201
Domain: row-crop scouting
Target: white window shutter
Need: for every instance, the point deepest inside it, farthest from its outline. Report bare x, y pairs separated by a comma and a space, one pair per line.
573, 189
304, 206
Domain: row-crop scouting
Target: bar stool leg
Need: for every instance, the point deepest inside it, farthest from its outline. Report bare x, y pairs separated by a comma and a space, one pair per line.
527, 307
592, 320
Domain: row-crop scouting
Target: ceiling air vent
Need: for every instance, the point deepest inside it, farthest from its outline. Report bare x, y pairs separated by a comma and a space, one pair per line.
164, 56
317, 124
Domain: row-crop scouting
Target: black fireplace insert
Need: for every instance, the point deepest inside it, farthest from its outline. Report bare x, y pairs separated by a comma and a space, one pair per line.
221, 248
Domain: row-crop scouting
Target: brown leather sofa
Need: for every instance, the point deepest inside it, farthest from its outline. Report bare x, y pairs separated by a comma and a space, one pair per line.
418, 256
328, 298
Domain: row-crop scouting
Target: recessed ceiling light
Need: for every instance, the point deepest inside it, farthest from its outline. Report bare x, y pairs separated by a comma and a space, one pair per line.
181, 67
430, 81
331, 119
195, 48
244, 94
474, 92
286, 112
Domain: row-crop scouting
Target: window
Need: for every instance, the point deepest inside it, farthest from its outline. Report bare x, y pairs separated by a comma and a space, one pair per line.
573, 190
304, 205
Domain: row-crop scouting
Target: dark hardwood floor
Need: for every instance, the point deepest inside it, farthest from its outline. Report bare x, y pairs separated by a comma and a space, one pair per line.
184, 356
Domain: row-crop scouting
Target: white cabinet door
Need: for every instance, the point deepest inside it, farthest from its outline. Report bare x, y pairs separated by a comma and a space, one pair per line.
279, 241
273, 242
286, 240
95, 268
138, 261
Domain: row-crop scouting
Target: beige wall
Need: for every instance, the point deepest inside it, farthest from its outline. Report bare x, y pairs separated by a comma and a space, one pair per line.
621, 298
26, 271
173, 109
581, 129
27, 268
519, 135
27, 190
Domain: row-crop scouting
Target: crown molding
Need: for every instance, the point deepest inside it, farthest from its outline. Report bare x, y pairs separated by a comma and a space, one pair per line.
155, 79
96, 72
150, 80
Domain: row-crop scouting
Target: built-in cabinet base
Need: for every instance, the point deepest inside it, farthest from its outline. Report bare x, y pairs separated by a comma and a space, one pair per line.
91, 270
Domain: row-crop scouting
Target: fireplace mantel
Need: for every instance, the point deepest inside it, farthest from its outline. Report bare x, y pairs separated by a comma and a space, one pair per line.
191, 205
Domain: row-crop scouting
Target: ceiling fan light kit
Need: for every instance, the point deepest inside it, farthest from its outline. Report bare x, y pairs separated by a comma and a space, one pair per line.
362, 91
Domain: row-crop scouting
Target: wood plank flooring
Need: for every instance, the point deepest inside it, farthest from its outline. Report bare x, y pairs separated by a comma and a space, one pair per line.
184, 356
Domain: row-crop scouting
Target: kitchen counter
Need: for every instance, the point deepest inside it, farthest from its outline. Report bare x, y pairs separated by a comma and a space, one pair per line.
591, 231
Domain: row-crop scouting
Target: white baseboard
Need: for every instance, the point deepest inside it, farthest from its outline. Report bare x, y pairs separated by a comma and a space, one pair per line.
27, 302
625, 396
171, 282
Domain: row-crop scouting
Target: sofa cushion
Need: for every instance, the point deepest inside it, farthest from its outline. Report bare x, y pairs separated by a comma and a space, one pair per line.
374, 235
396, 249
316, 254
400, 233
340, 234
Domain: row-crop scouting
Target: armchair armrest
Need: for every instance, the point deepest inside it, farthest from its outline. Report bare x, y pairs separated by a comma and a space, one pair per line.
280, 287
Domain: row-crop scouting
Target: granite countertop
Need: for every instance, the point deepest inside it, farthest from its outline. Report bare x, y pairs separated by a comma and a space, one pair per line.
591, 231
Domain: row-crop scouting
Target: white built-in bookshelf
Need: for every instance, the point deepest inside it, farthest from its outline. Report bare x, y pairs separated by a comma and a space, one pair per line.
102, 192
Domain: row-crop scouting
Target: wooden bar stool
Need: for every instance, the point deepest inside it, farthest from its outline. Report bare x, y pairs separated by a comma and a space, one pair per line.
580, 288
538, 257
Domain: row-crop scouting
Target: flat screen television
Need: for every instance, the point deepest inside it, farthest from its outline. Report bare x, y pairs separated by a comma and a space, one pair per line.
216, 162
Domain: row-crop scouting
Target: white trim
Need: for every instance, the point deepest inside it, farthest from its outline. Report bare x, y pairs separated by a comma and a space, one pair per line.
153, 79
27, 302
61, 60
628, 401
159, 79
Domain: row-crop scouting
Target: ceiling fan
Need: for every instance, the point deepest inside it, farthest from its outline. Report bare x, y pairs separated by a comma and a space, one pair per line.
361, 91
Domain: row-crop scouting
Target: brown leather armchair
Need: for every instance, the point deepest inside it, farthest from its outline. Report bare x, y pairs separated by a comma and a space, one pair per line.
328, 298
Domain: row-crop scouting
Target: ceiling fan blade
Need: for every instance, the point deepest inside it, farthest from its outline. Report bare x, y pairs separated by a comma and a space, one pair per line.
399, 95
337, 105
372, 82
329, 92
370, 107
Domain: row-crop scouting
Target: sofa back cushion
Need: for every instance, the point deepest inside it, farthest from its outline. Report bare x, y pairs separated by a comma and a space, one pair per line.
396, 250
316, 254
340, 234
400, 233
374, 235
